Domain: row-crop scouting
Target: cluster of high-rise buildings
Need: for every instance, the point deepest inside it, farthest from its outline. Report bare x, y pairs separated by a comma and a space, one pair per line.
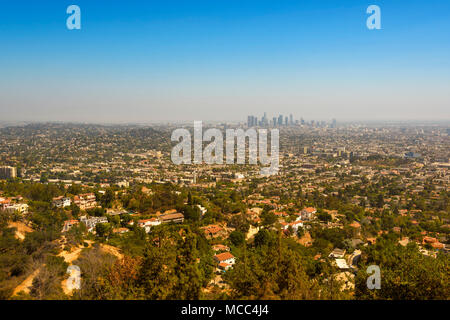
252, 121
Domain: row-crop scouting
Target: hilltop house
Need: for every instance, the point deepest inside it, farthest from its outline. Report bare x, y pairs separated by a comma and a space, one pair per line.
62, 202
147, 224
85, 201
295, 225
225, 260
68, 224
91, 222
213, 231
308, 213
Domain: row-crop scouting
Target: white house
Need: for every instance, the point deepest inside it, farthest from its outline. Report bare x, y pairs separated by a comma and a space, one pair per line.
308, 213
92, 222
295, 225
147, 224
21, 208
62, 202
225, 257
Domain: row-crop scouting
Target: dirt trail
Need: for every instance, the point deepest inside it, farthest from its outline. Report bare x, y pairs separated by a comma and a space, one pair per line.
112, 250
27, 283
69, 257
74, 255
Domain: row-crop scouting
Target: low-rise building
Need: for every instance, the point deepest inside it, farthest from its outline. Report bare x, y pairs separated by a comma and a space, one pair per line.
91, 222
225, 258
171, 217
62, 202
68, 224
85, 201
213, 231
147, 224
337, 253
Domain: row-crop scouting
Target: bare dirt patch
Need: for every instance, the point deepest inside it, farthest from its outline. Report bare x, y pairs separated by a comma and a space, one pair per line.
21, 229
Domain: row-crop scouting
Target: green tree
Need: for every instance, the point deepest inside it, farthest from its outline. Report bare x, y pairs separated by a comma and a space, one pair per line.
237, 238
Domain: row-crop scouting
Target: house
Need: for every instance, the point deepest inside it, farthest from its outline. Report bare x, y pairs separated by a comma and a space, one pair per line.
85, 201
438, 245
220, 247
355, 225
147, 224
68, 224
294, 225
213, 231
171, 217
225, 266
337, 253
123, 184
92, 222
4, 203
427, 239
62, 202
308, 213
280, 213
298, 216
120, 230
225, 257
255, 210
21, 208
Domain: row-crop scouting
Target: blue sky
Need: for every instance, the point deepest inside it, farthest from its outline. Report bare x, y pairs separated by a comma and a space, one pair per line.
145, 61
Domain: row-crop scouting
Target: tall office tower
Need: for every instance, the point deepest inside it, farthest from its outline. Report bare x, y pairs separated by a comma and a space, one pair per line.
291, 119
302, 121
274, 121
249, 121
255, 121
333, 123
8, 172
286, 121
264, 120
280, 120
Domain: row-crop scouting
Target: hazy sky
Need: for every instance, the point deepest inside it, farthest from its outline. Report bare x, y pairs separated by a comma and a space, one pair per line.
147, 61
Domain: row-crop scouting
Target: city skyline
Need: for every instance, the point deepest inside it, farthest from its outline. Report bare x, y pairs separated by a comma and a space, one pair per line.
221, 61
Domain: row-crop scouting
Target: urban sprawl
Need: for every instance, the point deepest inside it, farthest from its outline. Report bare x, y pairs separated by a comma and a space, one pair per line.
109, 200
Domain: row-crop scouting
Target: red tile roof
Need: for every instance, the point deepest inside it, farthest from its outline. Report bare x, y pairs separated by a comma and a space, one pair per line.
224, 256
